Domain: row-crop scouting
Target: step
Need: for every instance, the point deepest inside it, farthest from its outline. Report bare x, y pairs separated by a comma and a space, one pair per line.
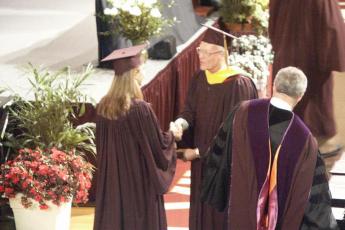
337, 188
342, 5
338, 213
338, 168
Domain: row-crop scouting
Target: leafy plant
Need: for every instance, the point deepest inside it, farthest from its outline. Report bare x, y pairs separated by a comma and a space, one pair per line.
49, 165
246, 11
46, 121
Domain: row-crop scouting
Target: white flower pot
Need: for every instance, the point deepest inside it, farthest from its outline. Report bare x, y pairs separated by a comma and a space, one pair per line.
33, 218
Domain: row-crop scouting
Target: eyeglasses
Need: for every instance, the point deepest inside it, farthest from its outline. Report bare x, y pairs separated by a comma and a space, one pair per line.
205, 52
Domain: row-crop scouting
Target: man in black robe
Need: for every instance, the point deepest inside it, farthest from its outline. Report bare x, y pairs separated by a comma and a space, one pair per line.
310, 34
212, 94
263, 167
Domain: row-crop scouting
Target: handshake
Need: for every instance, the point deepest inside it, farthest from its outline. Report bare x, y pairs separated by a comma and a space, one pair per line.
177, 130
177, 127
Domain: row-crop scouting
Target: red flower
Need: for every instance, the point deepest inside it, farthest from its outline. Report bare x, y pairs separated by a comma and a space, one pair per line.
62, 174
33, 192
28, 180
9, 191
58, 155
38, 197
34, 164
15, 179
25, 184
43, 206
43, 170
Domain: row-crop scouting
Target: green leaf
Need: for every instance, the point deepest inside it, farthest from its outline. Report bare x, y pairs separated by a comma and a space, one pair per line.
81, 110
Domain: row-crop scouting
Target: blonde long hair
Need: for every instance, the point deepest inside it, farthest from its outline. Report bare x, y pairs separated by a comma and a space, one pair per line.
123, 89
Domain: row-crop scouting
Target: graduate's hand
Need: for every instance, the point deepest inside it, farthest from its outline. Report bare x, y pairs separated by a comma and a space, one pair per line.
176, 130
180, 122
180, 154
188, 154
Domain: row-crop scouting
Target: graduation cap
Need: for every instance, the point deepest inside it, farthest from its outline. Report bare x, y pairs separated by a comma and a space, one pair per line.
218, 37
125, 59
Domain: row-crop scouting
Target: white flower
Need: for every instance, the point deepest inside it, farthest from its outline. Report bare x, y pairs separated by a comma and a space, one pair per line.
123, 4
155, 13
149, 3
135, 11
131, 2
126, 6
112, 11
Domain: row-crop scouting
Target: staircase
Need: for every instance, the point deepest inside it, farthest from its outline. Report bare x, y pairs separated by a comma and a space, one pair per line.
336, 167
342, 4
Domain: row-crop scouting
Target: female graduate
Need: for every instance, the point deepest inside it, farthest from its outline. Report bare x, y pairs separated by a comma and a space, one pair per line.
135, 159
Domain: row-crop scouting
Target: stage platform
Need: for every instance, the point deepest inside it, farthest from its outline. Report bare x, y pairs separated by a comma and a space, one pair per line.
60, 33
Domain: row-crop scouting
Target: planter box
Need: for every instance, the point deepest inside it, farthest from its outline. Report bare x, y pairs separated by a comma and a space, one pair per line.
33, 218
245, 28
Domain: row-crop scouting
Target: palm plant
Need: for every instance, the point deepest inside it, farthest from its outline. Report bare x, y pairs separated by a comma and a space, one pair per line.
47, 120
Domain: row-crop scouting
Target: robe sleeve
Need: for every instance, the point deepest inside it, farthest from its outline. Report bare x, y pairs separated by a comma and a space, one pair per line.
158, 149
216, 180
318, 213
188, 112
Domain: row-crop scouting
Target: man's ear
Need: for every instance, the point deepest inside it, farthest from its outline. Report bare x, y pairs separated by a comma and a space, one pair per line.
299, 98
274, 90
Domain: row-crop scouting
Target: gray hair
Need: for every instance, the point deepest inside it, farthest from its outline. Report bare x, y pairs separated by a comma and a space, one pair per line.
291, 81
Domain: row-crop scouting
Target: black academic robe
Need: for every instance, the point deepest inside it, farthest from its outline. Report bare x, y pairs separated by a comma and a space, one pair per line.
135, 166
205, 109
238, 162
310, 34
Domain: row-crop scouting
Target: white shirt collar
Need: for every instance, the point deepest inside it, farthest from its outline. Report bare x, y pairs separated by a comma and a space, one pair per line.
281, 104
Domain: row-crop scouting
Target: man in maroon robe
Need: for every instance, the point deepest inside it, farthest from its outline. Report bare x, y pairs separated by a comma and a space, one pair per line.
310, 34
263, 167
135, 159
213, 93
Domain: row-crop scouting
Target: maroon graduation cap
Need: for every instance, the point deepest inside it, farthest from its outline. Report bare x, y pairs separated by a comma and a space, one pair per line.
125, 59
218, 37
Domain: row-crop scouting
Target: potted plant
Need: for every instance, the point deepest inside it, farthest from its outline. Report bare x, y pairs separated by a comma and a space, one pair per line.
245, 15
135, 20
254, 55
48, 171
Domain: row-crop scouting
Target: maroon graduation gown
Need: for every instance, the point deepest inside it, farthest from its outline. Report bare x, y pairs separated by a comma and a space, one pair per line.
205, 109
136, 164
309, 34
